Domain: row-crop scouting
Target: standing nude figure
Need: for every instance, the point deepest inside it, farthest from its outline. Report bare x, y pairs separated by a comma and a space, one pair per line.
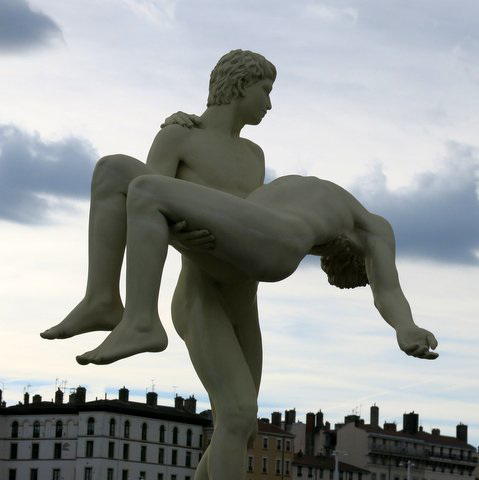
214, 307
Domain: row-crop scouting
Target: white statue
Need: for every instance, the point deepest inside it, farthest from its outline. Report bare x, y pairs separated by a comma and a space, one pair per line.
233, 232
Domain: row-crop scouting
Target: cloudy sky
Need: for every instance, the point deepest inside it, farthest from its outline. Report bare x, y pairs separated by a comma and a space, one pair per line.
380, 96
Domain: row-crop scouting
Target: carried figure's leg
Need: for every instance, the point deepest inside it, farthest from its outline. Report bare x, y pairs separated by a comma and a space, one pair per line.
101, 308
260, 241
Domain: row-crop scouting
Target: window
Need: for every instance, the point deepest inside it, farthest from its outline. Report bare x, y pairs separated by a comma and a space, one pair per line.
143, 453
14, 432
35, 450
310, 472
34, 474
162, 434
57, 450
89, 448
250, 464
173, 477
201, 441
278, 467
288, 445
124, 475
188, 459
189, 435
12, 474
278, 444
56, 474
144, 431
59, 429
142, 475
174, 457
112, 427
265, 442
287, 467
126, 451
36, 429
126, 429
160, 476
264, 466
90, 427
88, 473
13, 451
111, 449
109, 474
175, 436
300, 471
161, 455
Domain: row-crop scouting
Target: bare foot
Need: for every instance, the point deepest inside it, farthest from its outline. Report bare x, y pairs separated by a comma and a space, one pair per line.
86, 317
125, 340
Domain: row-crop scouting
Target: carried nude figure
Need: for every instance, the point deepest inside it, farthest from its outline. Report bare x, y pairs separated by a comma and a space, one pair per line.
261, 233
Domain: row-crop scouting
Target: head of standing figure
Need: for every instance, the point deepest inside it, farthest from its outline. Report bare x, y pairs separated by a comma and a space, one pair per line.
236, 71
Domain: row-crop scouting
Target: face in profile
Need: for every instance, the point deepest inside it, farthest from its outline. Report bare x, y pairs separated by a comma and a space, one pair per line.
256, 101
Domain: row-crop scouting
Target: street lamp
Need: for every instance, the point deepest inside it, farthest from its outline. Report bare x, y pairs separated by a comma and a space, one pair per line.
336, 453
409, 464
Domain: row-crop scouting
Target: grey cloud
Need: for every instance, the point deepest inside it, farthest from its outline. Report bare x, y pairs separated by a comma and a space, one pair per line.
437, 216
23, 28
31, 170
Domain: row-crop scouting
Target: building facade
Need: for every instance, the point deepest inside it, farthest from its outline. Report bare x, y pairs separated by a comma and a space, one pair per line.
389, 453
271, 455
100, 440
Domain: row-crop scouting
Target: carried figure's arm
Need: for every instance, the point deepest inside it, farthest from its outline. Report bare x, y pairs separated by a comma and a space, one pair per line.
388, 296
182, 119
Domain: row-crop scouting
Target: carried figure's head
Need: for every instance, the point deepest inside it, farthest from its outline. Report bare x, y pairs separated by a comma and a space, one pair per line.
235, 71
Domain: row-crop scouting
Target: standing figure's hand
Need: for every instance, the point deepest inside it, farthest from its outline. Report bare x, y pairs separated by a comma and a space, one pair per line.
416, 342
193, 240
182, 119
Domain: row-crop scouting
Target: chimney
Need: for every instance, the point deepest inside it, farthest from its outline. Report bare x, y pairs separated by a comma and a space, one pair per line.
390, 427
461, 432
81, 395
319, 420
327, 426
435, 432
37, 398
179, 402
190, 404
276, 419
152, 399
26, 398
58, 397
352, 419
374, 416
290, 417
123, 394
410, 423
309, 438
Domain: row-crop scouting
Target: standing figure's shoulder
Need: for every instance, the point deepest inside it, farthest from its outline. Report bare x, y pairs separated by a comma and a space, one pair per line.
173, 134
255, 148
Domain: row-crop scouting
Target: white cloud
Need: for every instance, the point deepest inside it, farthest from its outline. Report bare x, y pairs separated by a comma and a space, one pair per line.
330, 13
162, 12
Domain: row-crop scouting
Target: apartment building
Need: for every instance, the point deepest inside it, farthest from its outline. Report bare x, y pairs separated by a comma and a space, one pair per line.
100, 440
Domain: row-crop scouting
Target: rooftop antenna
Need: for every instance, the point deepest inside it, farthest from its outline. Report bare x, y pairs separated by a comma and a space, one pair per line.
25, 389
174, 390
152, 384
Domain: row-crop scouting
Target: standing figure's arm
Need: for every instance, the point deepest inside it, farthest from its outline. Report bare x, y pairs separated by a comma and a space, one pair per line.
388, 296
164, 158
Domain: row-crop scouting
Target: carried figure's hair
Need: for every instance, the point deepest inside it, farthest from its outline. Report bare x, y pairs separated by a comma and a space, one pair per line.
344, 268
233, 66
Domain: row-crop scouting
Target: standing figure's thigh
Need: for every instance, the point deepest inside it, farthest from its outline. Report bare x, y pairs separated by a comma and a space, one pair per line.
215, 352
